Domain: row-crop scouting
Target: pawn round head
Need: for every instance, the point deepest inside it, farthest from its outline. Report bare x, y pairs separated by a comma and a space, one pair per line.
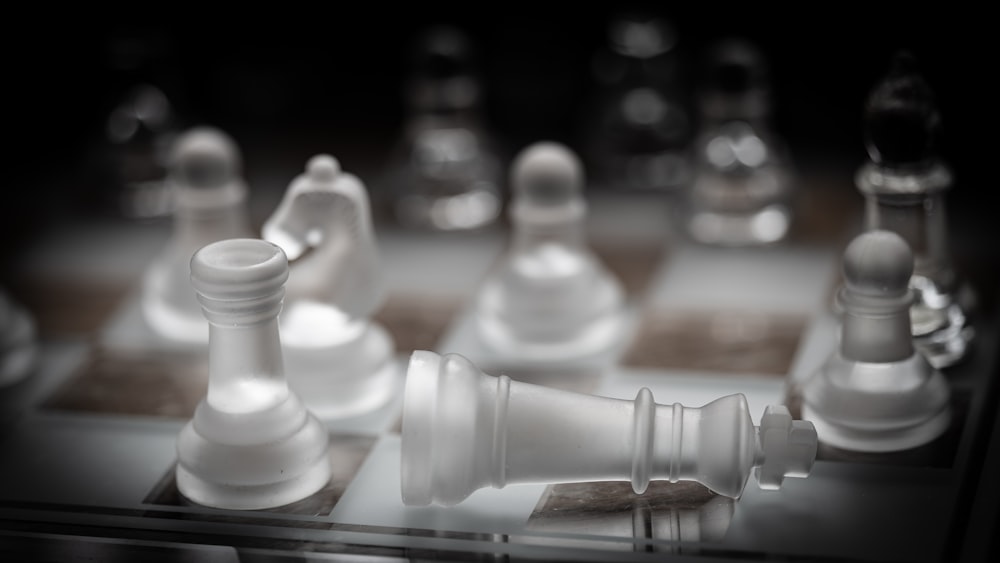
547, 175
901, 117
322, 168
878, 264
204, 158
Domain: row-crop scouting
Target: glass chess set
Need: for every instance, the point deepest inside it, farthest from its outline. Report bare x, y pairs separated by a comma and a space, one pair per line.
579, 382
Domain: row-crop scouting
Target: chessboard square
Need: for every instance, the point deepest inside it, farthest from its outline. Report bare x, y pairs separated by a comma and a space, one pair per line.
72, 459
129, 331
68, 307
719, 341
417, 322
374, 498
632, 265
681, 511
150, 384
775, 280
347, 452
438, 265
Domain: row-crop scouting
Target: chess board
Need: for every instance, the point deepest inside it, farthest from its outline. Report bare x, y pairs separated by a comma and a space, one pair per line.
88, 441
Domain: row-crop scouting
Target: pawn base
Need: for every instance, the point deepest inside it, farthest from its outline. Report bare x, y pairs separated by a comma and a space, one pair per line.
877, 407
174, 324
346, 379
766, 226
877, 441
253, 497
594, 346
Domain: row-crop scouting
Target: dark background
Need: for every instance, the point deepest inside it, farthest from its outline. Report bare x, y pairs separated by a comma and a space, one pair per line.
289, 81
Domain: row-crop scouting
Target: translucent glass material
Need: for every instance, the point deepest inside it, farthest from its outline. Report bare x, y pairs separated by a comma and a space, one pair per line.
209, 205
338, 360
251, 444
464, 430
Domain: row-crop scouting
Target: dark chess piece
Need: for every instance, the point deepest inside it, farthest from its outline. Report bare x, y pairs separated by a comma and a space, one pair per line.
904, 184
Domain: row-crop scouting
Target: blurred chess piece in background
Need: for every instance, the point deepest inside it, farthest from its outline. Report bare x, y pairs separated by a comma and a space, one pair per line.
445, 172
209, 194
904, 185
550, 305
18, 341
743, 184
638, 128
339, 361
140, 126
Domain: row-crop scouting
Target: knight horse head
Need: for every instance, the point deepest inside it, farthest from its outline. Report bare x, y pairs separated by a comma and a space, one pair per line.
324, 226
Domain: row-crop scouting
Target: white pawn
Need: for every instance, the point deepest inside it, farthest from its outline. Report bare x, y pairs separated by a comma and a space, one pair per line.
550, 302
876, 393
339, 361
464, 430
251, 444
209, 205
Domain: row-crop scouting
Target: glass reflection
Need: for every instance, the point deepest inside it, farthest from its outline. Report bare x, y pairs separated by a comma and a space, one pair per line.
678, 513
638, 125
140, 124
444, 173
742, 186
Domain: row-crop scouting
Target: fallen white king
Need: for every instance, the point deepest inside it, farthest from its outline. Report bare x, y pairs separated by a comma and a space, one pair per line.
464, 430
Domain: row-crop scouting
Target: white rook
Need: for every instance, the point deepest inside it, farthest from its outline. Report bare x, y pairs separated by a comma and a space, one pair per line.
251, 444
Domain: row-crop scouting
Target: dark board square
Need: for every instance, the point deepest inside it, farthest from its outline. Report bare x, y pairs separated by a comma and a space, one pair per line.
149, 383
679, 512
347, 453
827, 210
634, 266
64, 307
717, 341
417, 322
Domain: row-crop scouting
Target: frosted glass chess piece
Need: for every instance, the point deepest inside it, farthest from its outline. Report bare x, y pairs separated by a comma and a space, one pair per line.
550, 302
464, 430
139, 131
638, 128
445, 172
742, 185
904, 185
252, 443
141, 124
18, 341
209, 205
339, 361
876, 393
